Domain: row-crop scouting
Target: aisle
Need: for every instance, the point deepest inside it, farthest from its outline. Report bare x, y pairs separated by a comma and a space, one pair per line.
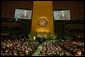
37, 51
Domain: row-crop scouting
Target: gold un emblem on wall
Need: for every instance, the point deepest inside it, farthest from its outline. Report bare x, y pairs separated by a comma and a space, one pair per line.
42, 21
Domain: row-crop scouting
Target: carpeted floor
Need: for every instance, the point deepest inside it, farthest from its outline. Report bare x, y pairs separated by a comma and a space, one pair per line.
37, 51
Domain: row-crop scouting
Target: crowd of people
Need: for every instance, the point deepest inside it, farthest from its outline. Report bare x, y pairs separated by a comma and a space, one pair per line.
52, 49
74, 47
17, 47
62, 48
22, 47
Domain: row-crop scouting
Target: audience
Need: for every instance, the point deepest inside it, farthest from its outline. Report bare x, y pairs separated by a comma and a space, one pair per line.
17, 47
21, 47
52, 49
62, 48
74, 47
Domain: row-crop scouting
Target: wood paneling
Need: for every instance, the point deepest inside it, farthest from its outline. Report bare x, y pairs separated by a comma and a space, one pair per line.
8, 7
76, 7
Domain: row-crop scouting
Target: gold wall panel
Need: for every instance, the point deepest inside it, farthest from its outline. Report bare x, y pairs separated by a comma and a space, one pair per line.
42, 9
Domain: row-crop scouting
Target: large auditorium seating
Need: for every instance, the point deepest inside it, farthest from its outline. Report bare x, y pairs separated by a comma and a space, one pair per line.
62, 48
17, 47
21, 47
52, 49
74, 47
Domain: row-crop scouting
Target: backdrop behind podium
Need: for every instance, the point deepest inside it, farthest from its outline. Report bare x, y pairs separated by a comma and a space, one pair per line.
42, 18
